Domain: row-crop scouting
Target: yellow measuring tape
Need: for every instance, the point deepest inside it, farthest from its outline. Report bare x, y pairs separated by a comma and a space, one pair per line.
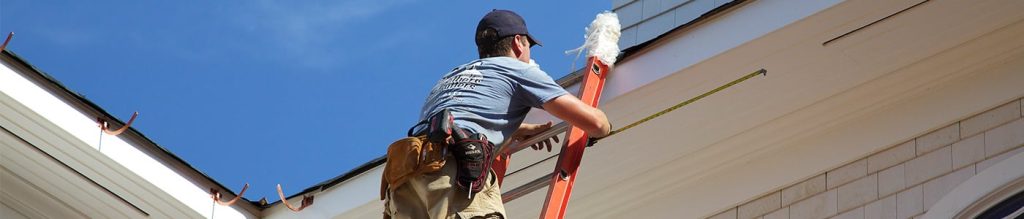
684, 103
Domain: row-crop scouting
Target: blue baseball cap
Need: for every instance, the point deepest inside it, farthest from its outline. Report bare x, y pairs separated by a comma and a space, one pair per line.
506, 23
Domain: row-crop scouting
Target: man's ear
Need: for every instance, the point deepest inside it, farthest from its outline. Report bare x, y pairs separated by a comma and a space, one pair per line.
517, 48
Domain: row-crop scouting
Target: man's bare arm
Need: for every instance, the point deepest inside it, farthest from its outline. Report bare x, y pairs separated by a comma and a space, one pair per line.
575, 112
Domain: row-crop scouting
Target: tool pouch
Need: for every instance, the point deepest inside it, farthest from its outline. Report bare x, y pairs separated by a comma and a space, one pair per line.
472, 158
442, 129
472, 152
408, 157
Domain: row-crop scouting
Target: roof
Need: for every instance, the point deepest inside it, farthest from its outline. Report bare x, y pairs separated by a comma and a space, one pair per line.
148, 145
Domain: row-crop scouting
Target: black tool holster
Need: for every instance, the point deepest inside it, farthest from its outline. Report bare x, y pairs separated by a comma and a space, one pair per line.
472, 151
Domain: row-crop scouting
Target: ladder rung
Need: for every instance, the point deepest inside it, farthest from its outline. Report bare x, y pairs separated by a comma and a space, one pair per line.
557, 129
527, 188
538, 183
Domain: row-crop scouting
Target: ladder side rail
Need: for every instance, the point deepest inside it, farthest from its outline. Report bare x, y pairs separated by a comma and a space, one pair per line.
564, 175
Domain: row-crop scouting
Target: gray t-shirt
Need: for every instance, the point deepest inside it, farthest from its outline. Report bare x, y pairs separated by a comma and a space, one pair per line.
491, 95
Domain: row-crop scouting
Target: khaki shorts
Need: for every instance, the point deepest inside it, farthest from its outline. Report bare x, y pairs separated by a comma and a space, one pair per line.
432, 195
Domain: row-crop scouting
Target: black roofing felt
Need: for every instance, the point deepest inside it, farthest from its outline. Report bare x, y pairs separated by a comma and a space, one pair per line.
111, 119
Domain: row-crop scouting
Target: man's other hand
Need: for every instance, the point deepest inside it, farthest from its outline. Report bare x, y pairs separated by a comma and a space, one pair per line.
527, 131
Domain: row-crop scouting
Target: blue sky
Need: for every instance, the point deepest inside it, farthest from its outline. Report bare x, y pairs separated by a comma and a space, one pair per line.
267, 92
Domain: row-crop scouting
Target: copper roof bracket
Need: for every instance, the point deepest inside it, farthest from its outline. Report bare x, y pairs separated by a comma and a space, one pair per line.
307, 200
216, 196
106, 126
8, 40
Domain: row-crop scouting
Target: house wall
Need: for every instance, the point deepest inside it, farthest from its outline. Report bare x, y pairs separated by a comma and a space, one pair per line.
882, 85
902, 181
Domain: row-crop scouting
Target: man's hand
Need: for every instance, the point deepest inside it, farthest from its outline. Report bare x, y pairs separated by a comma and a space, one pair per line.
527, 131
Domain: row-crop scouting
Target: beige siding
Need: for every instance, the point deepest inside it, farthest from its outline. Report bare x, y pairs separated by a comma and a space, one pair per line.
904, 180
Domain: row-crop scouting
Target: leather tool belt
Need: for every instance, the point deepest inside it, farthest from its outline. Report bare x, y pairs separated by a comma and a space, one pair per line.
424, 151
409, 157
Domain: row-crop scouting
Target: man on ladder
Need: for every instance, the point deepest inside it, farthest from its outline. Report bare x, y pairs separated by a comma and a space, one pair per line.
443, 169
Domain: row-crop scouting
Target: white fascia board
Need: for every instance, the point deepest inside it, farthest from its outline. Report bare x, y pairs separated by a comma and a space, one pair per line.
84, 128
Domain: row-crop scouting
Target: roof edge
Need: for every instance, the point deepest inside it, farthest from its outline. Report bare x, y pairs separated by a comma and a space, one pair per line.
147, 144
